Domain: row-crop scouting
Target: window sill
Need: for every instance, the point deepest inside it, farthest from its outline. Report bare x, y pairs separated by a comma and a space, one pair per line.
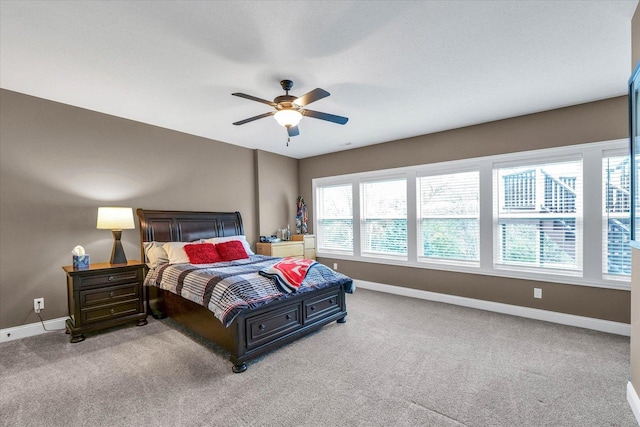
620, 283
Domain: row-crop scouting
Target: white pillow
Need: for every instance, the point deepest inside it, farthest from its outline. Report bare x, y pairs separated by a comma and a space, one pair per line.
241, 238
176, 253
155, 253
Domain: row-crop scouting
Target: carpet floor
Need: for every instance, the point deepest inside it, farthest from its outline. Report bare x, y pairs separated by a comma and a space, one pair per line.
397, 361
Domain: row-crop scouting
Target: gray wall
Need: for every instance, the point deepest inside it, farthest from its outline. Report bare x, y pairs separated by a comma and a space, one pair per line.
592, 122
59, 163
277, 183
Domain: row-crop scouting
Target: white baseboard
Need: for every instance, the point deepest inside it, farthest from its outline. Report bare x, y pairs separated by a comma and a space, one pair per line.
514, 310
32, 329
23, 331
634, 401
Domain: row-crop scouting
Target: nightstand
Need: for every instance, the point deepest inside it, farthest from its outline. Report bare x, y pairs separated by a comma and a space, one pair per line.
104, 295
281, 249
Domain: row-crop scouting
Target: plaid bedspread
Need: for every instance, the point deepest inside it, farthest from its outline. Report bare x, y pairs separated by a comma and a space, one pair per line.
227, 288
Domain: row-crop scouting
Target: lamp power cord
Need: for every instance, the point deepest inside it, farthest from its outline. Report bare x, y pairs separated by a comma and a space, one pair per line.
42, 322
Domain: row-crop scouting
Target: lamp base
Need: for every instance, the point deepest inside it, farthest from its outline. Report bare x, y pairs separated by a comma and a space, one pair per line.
117, 253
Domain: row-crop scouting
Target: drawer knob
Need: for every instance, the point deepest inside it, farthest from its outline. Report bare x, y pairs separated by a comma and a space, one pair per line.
113, 311
110, 278
111, 294
312, 308
262, 327
288, 317
330, 301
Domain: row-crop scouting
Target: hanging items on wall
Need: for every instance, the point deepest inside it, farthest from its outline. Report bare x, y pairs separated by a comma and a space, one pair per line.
301, 216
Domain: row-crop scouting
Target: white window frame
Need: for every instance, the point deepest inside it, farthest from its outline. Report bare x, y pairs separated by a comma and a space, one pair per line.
591, 273
362, 221
355, 232
447, 170
531, 161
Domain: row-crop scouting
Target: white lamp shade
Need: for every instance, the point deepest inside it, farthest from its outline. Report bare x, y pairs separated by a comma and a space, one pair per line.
115, 218
288, 118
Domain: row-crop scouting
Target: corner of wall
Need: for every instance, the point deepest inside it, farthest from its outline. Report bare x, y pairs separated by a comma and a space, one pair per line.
634, 401
277, 188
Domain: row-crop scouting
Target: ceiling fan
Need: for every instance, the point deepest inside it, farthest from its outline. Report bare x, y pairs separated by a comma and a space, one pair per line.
289, 109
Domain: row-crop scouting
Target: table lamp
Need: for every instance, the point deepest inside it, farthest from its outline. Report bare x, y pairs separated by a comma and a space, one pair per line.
116, 220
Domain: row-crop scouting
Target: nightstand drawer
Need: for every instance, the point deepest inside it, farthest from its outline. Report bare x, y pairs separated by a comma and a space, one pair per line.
109, 279
281, 249
109, 295
287, 251
309, 241
110, 312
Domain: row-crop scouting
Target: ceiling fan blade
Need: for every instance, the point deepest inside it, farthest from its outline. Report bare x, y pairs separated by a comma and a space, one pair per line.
253, 98
293, 131
326, 116
310, 97
250, 119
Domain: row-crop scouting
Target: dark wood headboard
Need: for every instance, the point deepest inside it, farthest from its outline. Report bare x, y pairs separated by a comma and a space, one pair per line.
186, 226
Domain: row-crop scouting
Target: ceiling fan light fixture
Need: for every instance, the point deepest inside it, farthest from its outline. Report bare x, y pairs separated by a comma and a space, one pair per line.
288, 118
289, 109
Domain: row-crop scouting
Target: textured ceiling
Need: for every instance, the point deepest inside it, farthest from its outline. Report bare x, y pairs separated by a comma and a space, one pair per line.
397, 69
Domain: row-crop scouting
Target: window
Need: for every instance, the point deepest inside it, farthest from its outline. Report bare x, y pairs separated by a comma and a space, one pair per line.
384, 217
335, 218
616, 218
538, 206
449, 216
520, 215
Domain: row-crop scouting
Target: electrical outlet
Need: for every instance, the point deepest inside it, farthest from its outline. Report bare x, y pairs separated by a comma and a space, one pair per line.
335, 266
38, 304
537, 293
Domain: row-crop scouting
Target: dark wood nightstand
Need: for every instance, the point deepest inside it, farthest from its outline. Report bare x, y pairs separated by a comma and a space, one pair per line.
104, 295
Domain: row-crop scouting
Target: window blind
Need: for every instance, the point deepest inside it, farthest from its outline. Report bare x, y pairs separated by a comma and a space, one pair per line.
384, 217
449, 216
335, 218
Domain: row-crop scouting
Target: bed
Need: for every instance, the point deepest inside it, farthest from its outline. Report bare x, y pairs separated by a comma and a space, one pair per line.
254, 328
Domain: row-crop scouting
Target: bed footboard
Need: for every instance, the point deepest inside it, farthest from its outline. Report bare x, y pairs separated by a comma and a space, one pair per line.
256, 331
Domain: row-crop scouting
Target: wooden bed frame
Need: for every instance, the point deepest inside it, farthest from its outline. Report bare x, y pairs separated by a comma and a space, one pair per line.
255, 331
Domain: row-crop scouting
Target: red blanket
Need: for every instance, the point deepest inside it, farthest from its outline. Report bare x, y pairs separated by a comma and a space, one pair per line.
289, 273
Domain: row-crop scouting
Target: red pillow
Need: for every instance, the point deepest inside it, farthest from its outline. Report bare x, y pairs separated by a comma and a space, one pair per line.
202, 253
231, 250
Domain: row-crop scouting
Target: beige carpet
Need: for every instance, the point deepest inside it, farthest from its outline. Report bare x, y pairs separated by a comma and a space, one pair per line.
396, 362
